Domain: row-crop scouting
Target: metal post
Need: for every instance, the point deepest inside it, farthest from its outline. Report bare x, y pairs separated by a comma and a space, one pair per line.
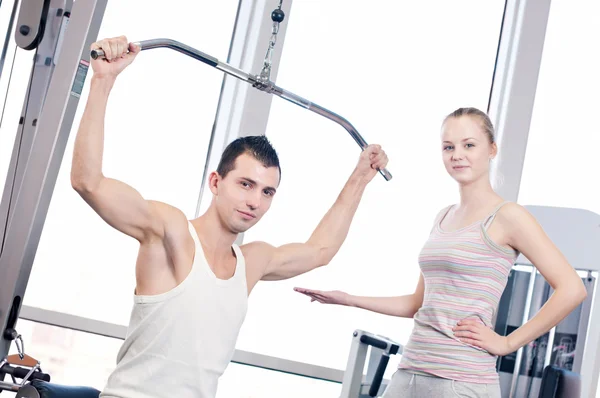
9, 30
243, 110
590, 366
514, 87
381, 349
42, 159
353, 376
526, 316
43, 67
549, 347
584, 322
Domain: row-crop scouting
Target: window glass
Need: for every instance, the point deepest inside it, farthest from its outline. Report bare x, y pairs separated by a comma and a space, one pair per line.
562, 164
564, 171
81, 359
394, 70
70, 357
158, 125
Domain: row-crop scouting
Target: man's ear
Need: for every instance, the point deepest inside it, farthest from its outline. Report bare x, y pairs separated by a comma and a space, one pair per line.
213, 182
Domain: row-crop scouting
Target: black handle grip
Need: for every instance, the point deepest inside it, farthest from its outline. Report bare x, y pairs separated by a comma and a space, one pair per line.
21, 373
378, 378
372, 341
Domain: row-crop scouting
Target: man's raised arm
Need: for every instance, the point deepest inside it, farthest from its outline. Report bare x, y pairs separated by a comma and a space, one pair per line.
294, 259
120, 205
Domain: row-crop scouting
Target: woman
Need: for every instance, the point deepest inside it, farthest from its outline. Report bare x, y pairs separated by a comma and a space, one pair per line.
465, 265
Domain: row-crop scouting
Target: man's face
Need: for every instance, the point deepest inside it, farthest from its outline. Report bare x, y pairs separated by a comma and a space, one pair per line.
245, 194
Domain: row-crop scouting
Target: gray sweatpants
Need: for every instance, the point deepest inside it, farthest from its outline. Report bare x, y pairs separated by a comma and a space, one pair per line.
408, 385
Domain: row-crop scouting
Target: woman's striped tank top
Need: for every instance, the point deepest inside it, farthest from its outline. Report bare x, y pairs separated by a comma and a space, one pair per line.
465, 273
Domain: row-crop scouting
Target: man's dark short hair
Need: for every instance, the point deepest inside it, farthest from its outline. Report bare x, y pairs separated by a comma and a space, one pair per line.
258, 146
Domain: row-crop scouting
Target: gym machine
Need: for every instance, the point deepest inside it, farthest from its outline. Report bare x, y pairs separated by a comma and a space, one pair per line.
59, 34
26, 375
563, 363
379, 348
570, 349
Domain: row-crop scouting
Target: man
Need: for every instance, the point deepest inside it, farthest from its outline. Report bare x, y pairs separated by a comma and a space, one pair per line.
192, 281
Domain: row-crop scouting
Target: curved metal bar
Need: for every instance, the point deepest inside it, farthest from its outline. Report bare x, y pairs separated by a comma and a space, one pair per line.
280, 92
256, 82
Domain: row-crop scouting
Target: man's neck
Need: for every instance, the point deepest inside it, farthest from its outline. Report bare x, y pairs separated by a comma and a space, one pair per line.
215, 238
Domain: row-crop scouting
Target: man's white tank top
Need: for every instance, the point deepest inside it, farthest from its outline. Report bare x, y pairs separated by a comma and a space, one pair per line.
179, 343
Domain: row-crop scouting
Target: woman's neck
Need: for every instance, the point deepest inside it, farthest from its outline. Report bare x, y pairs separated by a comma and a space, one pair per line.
477, 194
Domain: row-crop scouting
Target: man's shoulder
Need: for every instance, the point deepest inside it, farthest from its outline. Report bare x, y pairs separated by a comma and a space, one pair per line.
257, 256
257, 250
167, 211
171, 220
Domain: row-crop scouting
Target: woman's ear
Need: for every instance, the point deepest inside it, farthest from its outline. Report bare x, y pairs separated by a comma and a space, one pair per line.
494, 151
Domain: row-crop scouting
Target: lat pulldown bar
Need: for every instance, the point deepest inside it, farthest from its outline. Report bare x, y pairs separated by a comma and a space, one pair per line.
259, 82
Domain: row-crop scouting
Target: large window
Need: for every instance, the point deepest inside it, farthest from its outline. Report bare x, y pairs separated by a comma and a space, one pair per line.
158, 126
82, 359
394, 69
562, 164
